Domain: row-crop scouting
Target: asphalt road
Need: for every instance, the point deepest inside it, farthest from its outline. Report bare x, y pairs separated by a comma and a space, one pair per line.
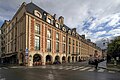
57, 72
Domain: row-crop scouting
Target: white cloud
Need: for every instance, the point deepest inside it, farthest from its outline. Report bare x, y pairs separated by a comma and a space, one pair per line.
114, 31
100, 33
74, 13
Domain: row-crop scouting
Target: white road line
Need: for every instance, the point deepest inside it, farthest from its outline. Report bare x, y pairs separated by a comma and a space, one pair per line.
101, 70
111, 71
14, 67
70, 67
78, 68
91, 69
4, 67
61, 67
85, 68
43, 67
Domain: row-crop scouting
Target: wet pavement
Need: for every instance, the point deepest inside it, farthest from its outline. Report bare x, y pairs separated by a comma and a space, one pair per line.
57, 72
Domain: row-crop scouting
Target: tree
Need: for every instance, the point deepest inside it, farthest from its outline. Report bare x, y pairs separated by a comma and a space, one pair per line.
113, 49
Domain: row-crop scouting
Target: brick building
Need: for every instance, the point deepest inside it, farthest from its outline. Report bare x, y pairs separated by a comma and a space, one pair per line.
35, 37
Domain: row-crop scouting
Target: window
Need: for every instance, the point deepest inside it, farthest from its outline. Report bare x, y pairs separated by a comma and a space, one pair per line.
63, 38
69, 32
57, 46
48, 33
64, 29
37, 29
37, 43
37, 13
77, 50
73, 50
49, 20
57, 25
57, 36
76, 43
63, 48
69, 41
48, 45
12, 24
69, 50
73, 42
73, 33
79, 44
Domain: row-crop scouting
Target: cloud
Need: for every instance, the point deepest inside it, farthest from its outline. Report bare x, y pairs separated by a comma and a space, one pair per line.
114, 32
94, 18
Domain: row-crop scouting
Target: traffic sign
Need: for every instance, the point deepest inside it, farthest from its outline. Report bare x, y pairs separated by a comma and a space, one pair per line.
26, 51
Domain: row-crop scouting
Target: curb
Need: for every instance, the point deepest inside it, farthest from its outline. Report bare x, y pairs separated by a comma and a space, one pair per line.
111, 69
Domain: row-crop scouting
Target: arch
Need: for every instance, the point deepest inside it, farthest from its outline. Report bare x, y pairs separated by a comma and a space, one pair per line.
48, 59
37, 60
63, 59
37, 13
57, 60
68, 59
21, 59
73, 59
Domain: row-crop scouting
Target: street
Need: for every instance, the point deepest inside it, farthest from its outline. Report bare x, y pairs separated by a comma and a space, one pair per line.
73, 71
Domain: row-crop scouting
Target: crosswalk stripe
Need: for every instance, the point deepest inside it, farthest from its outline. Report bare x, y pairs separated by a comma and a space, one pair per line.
101, 70
4, 67
84, 68
111, 71
77, 68
69, 68
92, 69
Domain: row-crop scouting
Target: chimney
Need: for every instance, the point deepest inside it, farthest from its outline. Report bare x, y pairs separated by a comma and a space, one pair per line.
54, 16
61, 20
88, 40
24, 3
83, 36
74, 29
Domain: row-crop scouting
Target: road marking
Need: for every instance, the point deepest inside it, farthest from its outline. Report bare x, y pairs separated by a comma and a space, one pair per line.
85, 68
101, 70
4, 67
78, 68
70, 67
43, 67
0, 68
111, 71
14, 67
61, 67
50, 76
91, 69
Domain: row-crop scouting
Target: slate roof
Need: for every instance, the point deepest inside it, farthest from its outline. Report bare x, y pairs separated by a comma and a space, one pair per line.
30, 7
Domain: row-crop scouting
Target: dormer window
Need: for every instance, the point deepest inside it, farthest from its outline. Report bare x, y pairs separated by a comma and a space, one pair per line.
49, 20
64, 29
73, 33
37, 13
45, 14
57, 25
69, 31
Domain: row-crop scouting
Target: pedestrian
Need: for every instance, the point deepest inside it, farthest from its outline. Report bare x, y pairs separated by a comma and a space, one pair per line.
96, 63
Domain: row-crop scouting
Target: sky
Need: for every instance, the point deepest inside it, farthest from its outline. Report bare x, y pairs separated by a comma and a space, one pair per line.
99, 20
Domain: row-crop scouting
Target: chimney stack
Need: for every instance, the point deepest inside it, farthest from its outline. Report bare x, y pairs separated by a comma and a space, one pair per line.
61, 20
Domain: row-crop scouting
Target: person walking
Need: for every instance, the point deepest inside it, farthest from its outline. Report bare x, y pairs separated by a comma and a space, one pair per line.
96, 63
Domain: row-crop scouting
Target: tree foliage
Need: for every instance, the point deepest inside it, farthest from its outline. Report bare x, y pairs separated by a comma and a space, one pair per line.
114, 48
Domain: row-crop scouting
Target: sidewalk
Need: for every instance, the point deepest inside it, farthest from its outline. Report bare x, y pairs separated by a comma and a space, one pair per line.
113, 67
